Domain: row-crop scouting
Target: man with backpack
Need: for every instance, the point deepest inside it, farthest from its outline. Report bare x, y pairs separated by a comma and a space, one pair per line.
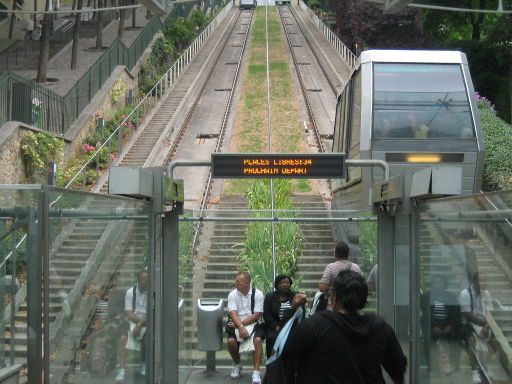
136, 307
245, 307
346, 345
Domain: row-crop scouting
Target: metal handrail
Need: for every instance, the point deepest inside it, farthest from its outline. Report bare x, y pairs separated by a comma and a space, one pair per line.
159, 89
350, 58
170, 76
65, 109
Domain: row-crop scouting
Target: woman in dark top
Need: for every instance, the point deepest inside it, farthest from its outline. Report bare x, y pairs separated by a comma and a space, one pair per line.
279, 306
345, 346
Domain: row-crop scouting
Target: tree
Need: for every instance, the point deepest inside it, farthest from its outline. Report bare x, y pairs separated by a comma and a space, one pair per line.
120, 30
76, 35
44, 51
134, 15
363, 24
99, 28
13, 17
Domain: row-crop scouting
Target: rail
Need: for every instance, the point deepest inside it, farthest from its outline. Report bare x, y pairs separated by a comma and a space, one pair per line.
14, 50
347, 55
159, 89
155, 94
218, 146
28, 102
305, 96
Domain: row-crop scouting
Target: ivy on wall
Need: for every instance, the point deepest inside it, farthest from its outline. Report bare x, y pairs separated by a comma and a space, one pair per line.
37, 150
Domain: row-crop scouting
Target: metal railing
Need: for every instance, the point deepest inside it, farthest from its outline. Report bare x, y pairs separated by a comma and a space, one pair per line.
347, 55
154, 95
21, 47
34, 104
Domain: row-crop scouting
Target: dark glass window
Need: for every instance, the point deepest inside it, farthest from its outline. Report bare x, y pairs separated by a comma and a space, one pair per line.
421, 101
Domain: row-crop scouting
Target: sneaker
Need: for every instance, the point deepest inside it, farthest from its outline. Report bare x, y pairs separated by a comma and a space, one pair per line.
120, 375
476, 377
143, 369
235, 372
256, 379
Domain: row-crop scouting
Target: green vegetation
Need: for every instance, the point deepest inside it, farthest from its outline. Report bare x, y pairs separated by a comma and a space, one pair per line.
37, 150
484, 37
498, 149
107, 154
256, 253
252, 136
185, 253
176, 36
368, 245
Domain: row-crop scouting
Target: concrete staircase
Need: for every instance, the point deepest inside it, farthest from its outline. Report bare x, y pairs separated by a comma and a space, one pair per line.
71, 252
318, 248
144, 143
66, 265
463, 253
224, 248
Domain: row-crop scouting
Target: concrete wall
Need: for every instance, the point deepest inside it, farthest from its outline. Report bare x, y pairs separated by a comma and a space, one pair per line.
11, 165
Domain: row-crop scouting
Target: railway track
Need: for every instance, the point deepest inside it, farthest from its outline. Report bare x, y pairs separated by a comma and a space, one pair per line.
316, 86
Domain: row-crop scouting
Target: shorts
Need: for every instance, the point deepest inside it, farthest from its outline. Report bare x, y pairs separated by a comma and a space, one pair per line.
259, 331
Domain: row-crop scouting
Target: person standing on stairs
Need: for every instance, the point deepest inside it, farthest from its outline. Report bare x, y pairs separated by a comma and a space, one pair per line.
341, 252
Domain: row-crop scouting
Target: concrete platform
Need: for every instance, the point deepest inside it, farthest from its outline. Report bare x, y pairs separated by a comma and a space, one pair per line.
221, 376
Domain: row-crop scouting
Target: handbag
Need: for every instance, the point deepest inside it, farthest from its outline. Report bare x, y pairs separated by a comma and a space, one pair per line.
279, 371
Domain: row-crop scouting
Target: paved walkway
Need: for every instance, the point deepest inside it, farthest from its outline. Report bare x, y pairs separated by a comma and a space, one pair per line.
59, 64
199, 376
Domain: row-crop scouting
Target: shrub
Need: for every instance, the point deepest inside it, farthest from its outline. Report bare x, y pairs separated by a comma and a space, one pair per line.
37, 150
498, 149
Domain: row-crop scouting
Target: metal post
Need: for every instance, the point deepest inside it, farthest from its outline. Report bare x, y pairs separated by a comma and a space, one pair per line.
52, 173
210, 361
34, 297
415, 295
44, 230
385, 287
170, 241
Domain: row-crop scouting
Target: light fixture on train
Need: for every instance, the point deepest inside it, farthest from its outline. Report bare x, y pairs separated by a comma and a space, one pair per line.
423, 158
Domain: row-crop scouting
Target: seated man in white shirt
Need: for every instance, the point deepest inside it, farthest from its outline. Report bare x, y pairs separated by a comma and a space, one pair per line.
475, 303
245, 306
136, 309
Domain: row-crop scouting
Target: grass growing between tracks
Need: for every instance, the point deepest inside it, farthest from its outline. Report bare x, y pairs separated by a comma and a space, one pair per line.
251, 135
251, 127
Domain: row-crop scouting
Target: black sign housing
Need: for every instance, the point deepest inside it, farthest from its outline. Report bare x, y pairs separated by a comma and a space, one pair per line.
278, 165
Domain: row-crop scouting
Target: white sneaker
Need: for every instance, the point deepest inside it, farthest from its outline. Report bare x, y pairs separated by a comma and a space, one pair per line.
120, 375
143, 369
256, 379
236, 371
476, 377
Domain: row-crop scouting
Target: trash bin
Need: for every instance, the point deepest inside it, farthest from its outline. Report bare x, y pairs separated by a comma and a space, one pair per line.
209, 329
209, 324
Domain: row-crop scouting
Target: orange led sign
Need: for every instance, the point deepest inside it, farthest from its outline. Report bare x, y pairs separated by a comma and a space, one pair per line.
277, 165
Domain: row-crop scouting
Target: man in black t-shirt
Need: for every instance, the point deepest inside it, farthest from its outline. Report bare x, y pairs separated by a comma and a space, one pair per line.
346, 345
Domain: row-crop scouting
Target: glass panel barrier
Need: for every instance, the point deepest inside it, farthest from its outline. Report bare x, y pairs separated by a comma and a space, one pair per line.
98, 250
234, 238
466, 289
14, 253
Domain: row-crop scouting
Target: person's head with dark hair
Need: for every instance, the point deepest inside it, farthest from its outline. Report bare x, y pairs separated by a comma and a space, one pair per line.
341, 251
142, 280
350, 290
283, 283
